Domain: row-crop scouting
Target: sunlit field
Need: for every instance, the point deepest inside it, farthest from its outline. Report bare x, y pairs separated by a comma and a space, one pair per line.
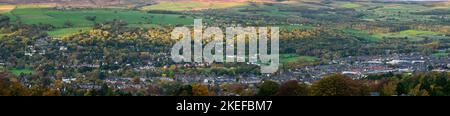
192, 5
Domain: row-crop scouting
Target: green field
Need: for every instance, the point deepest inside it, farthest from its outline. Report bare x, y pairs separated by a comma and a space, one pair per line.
410, 34
1, 36
21, 71
6, 10
292, 27
398, 12
64, 32
35, 14
286, 58
417, 33
441, 54
78, 16
189, 5
351, 5
363, 34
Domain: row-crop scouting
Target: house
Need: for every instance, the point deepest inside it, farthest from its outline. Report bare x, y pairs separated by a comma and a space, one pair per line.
63, 48
68, 80
397, 61
28, 54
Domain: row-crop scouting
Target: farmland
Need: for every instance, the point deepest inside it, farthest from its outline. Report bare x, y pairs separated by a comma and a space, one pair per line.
16, 71
6, 8
350, 5
192, 5
60, 18
286, 58
78, 16
65, 32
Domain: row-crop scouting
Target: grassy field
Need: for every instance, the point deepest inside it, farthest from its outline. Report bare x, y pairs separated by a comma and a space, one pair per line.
417, 33
191, 5
35, 15
47, 14
20, 71
286, 58
363, 34
292, 27
1, 36
6, 10
351, 5
410, 34
64, 32
399, 12
413, 35
441, 54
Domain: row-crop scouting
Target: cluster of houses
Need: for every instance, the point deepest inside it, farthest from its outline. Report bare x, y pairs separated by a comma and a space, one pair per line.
361, 67
356, 67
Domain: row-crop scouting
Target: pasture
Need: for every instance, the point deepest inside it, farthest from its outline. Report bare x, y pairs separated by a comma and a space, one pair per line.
65, 32
78, 16
191, 5
17, 71
351, 5
286, 58
46, 14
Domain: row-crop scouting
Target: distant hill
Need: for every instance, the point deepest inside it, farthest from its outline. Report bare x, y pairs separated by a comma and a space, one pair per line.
99, 3
80, 2
112, 2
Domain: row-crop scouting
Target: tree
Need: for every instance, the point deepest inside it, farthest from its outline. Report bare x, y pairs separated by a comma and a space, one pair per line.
136, 80
4, 21
185, 90
268, 88
91, 18
200, 90
339, 85
51, 92
152, 90
68, 24
416, 91
389, 88
293, 88
10, 86
404, 85
106, 90
59, 74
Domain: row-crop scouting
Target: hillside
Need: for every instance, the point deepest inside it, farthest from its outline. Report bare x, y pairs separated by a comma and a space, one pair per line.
80, 2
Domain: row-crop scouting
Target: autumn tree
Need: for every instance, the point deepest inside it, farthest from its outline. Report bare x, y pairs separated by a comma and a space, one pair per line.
293, 88
185, 90
339, 85
200, 90
237, 89
136, 80
10, 86
268, 88
59, 74
389, 88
